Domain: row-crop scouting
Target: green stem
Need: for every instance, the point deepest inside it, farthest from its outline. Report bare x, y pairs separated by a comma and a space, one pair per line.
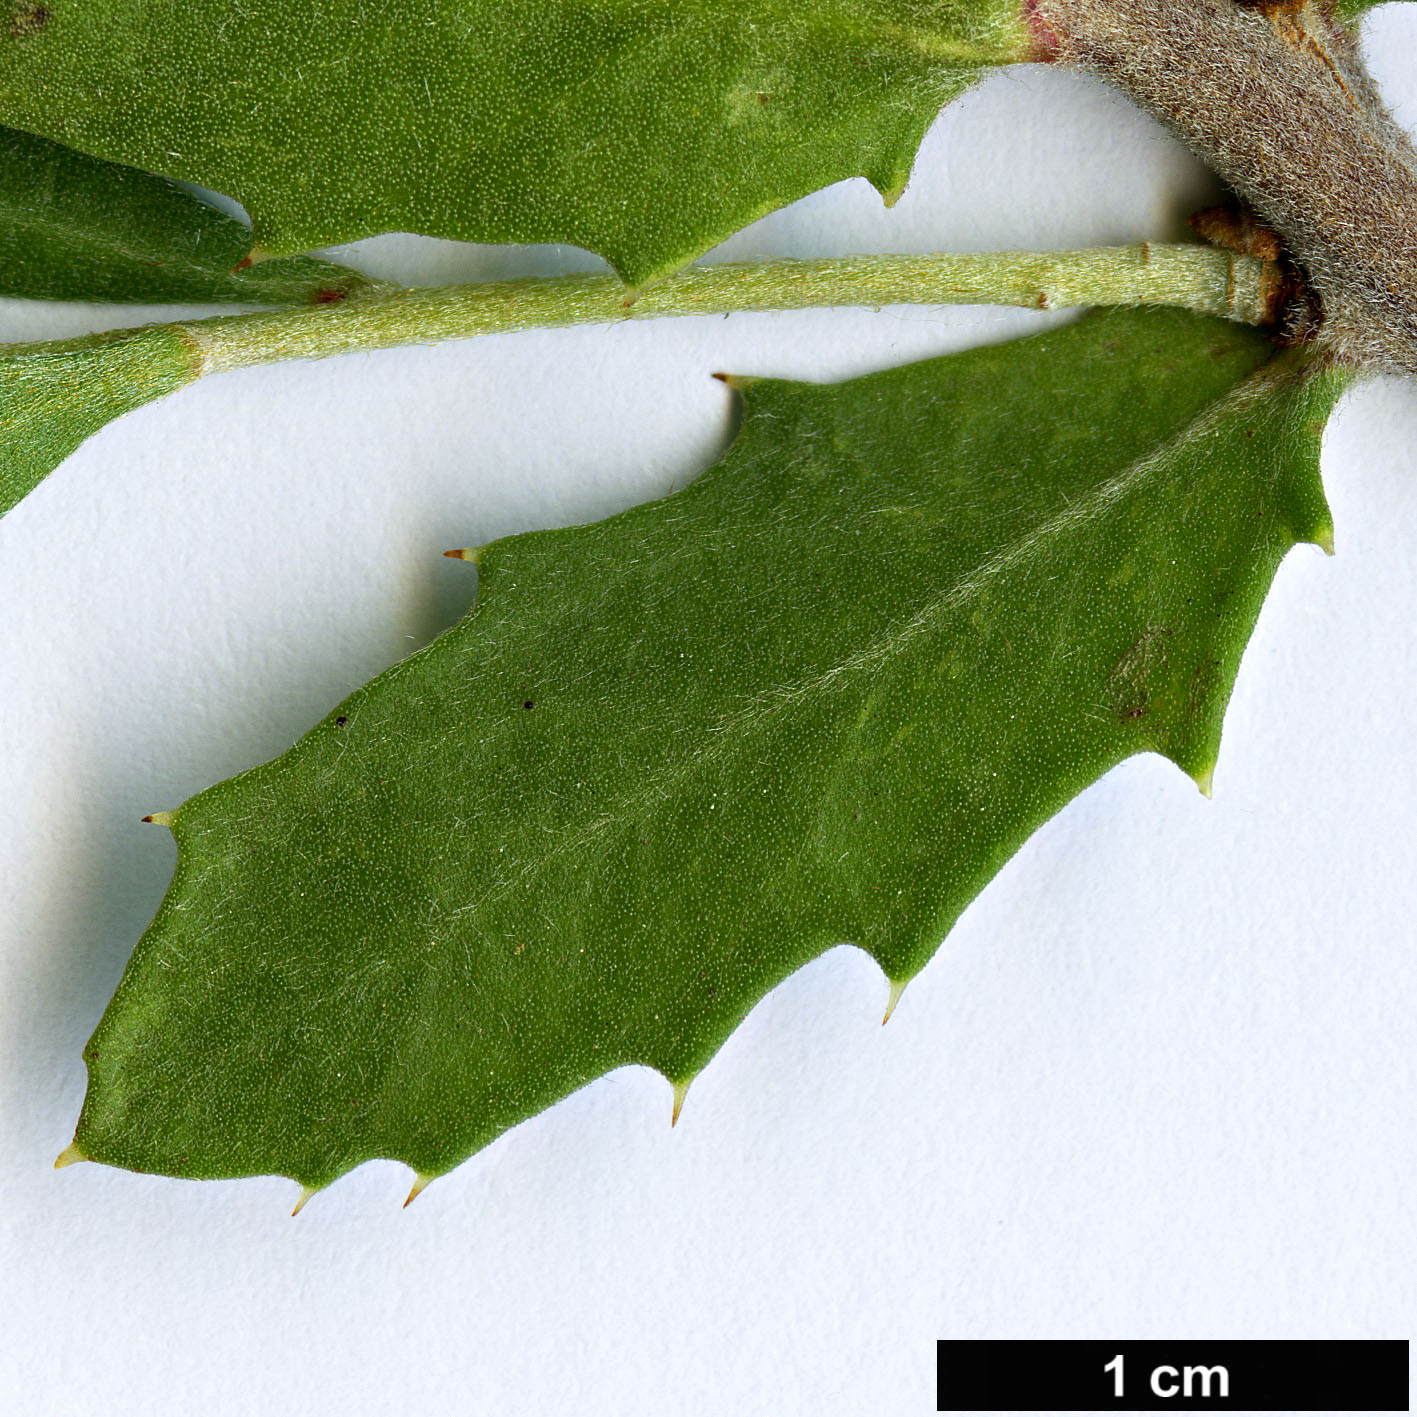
1201, 278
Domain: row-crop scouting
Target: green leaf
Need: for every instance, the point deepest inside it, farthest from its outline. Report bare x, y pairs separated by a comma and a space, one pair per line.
645, 132
821, 694
75, 228
1353, 10
53, 396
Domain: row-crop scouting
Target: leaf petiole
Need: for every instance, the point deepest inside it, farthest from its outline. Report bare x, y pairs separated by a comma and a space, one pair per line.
1200, 278
55, 395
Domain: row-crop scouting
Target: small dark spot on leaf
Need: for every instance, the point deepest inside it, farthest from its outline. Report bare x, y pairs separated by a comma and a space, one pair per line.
528, 704
341, 721
27, 18
1249, 432
764, 98
331, 295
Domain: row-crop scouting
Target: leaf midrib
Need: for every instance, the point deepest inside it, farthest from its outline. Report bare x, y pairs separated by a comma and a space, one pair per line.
726, 738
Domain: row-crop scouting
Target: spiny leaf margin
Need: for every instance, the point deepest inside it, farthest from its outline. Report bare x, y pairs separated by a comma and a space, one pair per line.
822, 694
644, 132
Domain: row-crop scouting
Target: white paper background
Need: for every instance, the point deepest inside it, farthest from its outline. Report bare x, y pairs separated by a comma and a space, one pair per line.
1159, 1083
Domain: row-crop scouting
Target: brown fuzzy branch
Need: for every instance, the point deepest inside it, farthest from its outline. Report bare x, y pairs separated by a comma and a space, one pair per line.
1274, 96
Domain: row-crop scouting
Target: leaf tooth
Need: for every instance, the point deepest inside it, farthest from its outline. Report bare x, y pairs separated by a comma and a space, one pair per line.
466, 553
1322, 537
258, 255
420, 1180
892, 191
897, 989
161, 819
305, 1193
737, 382
681, 1091
1204, 778
69, 1156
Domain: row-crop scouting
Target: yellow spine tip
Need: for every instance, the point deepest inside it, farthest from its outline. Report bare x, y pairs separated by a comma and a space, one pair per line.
681, 1091
419, 1182
69, 1156
305, 1193
466, 553
897, 989
1205, 780
161, 819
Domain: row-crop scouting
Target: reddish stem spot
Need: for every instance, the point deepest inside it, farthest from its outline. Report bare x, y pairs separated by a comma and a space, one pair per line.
1047, 42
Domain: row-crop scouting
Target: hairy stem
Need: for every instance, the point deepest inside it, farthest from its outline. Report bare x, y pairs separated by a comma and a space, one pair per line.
1201, 278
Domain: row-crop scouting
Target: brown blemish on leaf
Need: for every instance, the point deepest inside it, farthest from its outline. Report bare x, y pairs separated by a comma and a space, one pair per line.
331, 295
1129, 688
27, 19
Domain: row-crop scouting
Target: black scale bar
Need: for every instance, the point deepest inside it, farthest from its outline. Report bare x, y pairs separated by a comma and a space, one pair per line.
1298, 1375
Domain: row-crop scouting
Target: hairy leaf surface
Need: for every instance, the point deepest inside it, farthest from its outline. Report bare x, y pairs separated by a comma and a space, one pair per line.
647, 132
820, 695
75, 228
55, 395
1354, 10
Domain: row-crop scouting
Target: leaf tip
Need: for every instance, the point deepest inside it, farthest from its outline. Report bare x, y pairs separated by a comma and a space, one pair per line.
420, 1180
897, 989
1204, 778
466, 553
305, 1193
69, 1156
161, 819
